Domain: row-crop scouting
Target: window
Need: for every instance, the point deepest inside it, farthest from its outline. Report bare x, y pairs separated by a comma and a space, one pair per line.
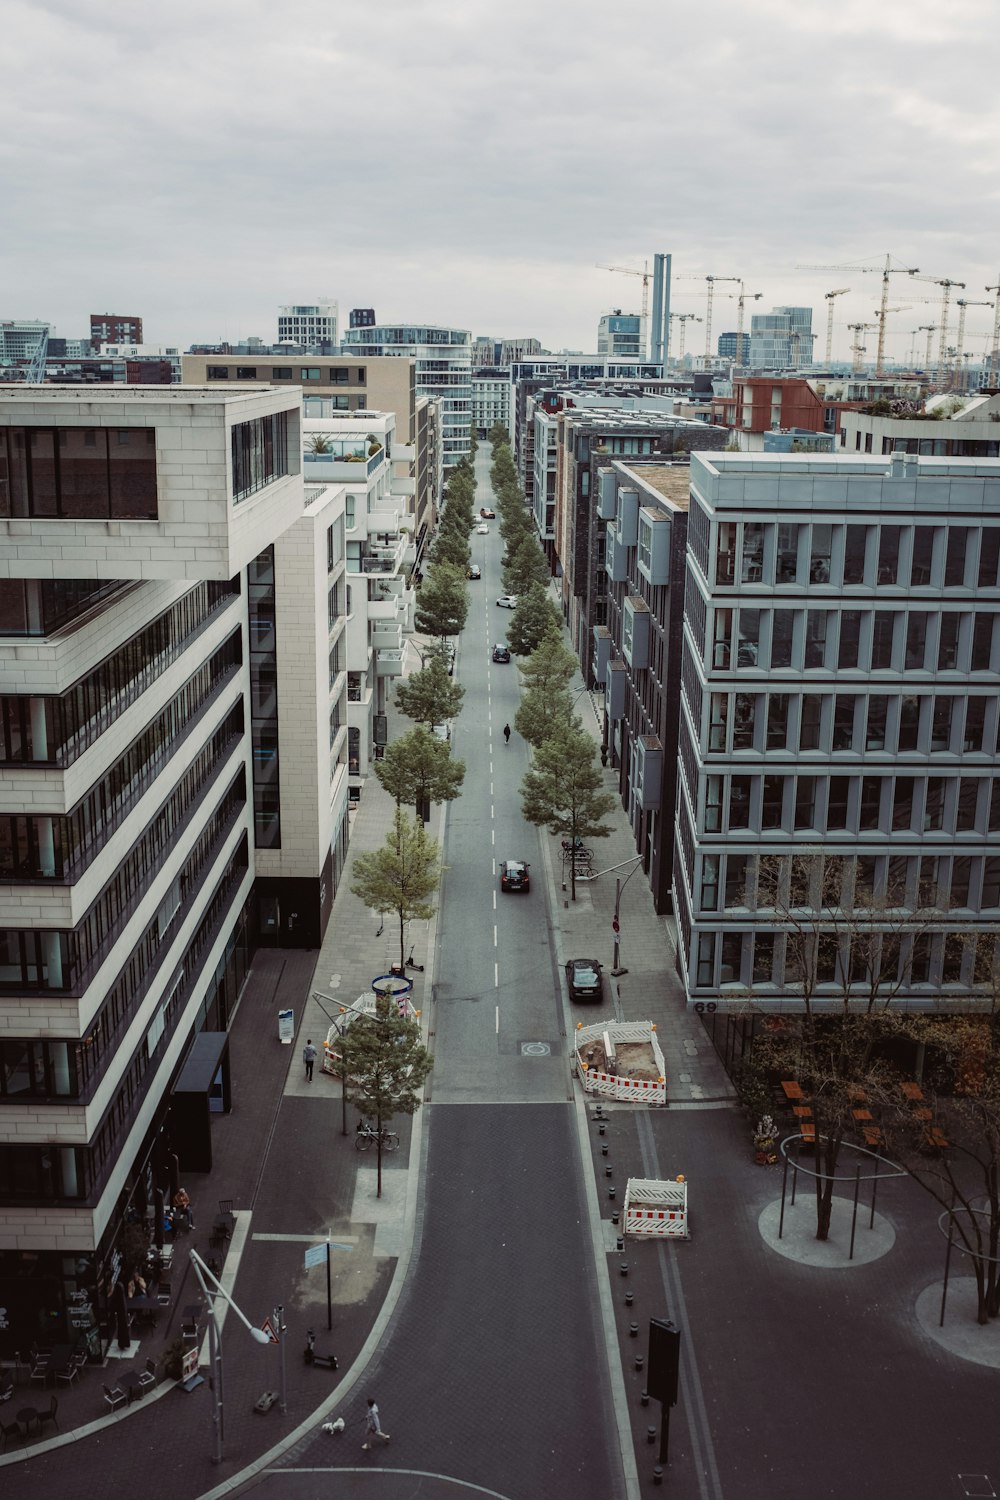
777, 721
888, 553
982, 642
954, 566
782, 623
713, 804
805, 802
259, 453
991, 882
281, 373
989, 556
725, 556
753, 552
773, 801
816, 628
966, 811
941, 724
246, 372
739, 802
934, 804
819, 557
923, 551
961, 875
809, 727
920, 959
79, 473
719, 712
975, 723
722, 638
951, 961
850, 638
994, 821
865, 871
878, 709
732, 958
217, 372
927, 882
763, 957
787, 553
909, 723
836, 809
916, 640
843, 721
710, 882
883, 624
902, 803
736, 880
871, 803
706, 958
855, 543
948, 642
748, 641
744, 721
311, 373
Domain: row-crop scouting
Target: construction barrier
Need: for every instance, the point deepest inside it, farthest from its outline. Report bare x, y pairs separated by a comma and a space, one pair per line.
364, 1005
609, 1082
656, 1209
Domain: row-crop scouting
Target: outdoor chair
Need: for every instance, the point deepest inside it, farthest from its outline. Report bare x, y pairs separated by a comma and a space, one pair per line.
114, 1398
6, 1391
6, 1429
40, 1372
50, 1415
147, 1377
68, 1372
225, 1205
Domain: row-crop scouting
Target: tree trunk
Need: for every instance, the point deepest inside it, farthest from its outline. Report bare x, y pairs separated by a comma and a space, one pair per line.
378, 1156
402, 944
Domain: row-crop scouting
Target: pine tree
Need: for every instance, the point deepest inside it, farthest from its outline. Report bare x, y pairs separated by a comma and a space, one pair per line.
564, 790
419, 769
400, 877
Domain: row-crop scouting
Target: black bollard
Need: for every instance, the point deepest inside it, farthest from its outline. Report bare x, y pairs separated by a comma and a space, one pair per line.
633, 1330
629, 1298
650, 1434
644, 1399
623, 1267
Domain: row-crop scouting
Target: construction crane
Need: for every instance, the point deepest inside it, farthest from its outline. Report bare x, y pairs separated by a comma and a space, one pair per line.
693, 276
963, 303
754, 297
994, 360
837, 292
947, 283
858, 348
683, 318
930, 329
645, 274
885, 272
32, 373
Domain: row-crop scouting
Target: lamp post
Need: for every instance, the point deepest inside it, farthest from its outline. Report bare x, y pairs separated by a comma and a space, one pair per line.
616, 970
215, 1343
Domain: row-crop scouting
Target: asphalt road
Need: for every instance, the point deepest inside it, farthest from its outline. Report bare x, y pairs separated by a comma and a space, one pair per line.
493, 1377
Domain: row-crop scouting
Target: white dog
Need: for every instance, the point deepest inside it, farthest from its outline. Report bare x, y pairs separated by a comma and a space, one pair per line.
332, 1427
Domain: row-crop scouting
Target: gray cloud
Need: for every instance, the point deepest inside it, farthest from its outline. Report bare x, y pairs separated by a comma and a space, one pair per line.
457, 161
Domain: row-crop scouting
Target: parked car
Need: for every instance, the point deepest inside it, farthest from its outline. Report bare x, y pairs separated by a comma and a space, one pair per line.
487, 514
507, 601
584, 979
514, 876
501, 653
483, 529
441, 731
475, 571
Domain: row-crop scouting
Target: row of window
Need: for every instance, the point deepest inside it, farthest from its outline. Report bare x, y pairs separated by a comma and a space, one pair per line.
838, 966
330, 375
926, 723
779, 553
852, 804
264, 700
78, 473
47, 959
881, 640
876, 887
57, 730
46, 847
259, 453
41, 606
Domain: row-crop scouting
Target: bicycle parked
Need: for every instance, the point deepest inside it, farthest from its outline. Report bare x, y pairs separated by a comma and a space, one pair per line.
365, 1136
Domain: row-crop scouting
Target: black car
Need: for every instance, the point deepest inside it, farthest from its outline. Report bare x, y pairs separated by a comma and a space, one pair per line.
584, 980
501, 653
514, 876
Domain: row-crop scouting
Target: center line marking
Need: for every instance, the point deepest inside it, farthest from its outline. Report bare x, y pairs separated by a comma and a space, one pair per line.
498, 1020
496, 976
494, 934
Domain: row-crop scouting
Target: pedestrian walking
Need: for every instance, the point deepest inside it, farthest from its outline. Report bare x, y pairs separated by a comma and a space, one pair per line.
309, 1057
506, 734
373, 1425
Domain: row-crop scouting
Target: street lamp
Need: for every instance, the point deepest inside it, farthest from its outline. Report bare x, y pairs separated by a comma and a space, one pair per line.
620, 885
215, 1344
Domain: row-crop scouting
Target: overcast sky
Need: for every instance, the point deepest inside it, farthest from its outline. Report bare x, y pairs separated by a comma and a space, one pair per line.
471, 162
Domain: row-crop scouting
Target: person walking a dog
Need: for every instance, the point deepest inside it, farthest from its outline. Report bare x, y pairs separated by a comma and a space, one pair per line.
373, 1425
309, 1057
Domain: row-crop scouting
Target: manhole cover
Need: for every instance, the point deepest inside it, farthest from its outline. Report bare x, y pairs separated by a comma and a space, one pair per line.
536, 1049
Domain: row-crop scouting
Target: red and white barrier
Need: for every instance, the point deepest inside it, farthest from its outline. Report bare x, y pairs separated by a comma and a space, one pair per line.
613, 1084
656, 1209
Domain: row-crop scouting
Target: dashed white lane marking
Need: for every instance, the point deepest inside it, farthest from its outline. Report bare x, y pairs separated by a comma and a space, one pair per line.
497, 1020
494, 934
496, 976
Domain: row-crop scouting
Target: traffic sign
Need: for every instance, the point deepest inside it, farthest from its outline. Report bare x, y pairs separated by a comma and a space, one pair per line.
268, 1327
616, 926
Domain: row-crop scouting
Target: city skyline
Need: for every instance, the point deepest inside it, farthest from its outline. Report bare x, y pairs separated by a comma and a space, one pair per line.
452, 166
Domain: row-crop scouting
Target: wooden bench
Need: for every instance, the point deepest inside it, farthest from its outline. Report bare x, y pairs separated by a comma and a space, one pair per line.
791, 1089
872, 1135
937, 1140
808, 1132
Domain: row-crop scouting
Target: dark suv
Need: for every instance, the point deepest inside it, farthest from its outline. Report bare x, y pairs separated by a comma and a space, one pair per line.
501, 653
514, 876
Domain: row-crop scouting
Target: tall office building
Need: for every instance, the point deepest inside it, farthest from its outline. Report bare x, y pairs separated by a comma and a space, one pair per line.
782, 339
622, 335
312, 325
19, 339
838, 730
443, 367
114, 328
173, 739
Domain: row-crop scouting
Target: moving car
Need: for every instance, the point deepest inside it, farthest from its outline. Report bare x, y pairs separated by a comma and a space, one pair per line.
486, 513
507, 601
501, 653
483, 529
514, 876
475, 571
584, 980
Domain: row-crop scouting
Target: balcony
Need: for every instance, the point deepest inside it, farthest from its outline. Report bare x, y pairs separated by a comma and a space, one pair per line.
647, 779
347, 462
386, 633
606, 497
655, 533
627, 517
615, 558
389, 662
602, 652
386, 607
614, 689
385, 521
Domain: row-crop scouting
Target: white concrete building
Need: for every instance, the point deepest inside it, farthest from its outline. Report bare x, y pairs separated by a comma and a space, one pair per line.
839, 700
308, 324
443, 359
490, 403
172, 728
945, 426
